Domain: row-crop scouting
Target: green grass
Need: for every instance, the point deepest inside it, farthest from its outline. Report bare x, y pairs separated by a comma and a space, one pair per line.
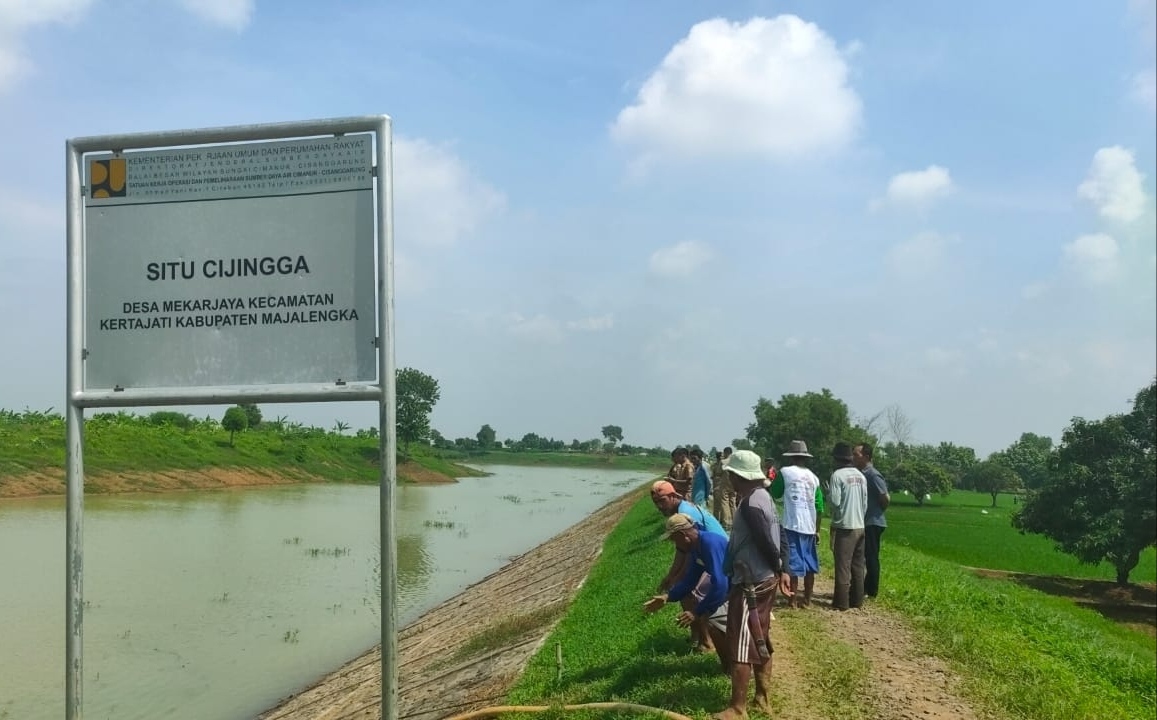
954, 528
611, 649
1021, 652
124, 442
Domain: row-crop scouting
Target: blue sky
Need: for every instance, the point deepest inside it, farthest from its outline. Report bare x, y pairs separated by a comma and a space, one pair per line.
651, 214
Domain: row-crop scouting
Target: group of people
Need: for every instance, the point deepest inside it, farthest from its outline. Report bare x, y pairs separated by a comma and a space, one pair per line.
734, 555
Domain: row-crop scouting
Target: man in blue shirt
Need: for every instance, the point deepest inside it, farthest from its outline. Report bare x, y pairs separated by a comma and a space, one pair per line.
706, 551
701, 485
874, 520
669, 502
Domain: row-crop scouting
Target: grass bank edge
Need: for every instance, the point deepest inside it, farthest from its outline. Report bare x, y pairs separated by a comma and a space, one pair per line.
1020, 653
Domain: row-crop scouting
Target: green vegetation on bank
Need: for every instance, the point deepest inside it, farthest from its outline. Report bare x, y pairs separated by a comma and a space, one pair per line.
1021, 653
124, 442
964, 528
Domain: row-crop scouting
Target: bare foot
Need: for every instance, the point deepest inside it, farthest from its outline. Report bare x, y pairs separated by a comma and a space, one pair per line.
730, 714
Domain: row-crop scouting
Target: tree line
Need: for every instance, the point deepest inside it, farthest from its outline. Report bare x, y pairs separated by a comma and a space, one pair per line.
1094, 494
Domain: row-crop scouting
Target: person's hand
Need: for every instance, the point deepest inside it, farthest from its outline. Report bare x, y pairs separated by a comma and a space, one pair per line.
785, 585
655, 604
685, 618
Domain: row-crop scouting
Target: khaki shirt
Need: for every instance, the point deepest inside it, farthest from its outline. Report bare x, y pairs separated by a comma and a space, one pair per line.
682, 475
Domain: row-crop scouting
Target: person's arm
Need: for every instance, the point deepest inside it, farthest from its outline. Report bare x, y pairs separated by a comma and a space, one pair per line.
720, 585
777, 486
835, 492
687, 583
881, 490
761, 530
678, 567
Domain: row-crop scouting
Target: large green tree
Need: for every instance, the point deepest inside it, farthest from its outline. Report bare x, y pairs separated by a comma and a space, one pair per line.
417, 395
1028, 457
920, 477
1099, 501
612, 433
486, 437
993, 478
819, 419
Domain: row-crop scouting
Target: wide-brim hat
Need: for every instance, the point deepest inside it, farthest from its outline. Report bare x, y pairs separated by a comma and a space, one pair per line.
746, 465
797, 448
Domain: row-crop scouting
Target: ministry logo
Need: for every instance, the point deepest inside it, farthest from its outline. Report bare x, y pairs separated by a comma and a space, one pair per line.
107, 178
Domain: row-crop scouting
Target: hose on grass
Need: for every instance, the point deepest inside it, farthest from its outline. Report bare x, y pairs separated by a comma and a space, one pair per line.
630, 707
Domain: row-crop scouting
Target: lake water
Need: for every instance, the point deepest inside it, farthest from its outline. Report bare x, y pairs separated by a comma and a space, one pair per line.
214, 605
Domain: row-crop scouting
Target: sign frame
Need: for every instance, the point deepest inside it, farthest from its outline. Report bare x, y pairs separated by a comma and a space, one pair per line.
78, 398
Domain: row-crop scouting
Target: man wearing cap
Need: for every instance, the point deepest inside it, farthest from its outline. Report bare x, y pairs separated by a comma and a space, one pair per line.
722, 494
848, 502
803, 504
757, 570
706, 551
668, 502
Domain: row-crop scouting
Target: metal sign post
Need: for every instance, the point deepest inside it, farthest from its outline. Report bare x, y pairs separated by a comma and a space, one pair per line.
246, 264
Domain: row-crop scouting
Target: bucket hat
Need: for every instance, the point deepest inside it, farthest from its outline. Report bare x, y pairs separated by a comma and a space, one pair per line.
797, 448
746, 465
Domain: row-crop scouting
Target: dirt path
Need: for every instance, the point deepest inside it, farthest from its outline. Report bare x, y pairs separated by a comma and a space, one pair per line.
905, 683
465, 653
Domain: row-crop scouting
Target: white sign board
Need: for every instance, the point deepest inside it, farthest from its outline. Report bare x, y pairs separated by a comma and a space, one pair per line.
238, 264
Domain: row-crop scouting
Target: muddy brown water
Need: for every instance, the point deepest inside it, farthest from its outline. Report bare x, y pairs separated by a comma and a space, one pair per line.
214, 605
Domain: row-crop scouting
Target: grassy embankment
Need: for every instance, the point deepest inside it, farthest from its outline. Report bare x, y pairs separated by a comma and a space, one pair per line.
33, 444
1021, 654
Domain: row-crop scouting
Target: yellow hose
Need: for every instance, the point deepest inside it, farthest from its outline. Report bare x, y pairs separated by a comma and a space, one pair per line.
500, 709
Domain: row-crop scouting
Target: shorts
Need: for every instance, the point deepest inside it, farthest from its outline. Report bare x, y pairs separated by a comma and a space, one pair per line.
717, 619
802, 556
747, 631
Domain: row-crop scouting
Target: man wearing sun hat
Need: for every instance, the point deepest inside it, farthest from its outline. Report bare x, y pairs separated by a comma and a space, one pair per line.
803, 504
757, 569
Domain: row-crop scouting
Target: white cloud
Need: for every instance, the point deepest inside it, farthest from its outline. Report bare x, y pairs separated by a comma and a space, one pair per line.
1143, 89
775, 87
679, 260
918, 187
229, 14
539, 328
919, 256
1114, 185
19, 16
1093, 257
791, 343
437, 198
593, 324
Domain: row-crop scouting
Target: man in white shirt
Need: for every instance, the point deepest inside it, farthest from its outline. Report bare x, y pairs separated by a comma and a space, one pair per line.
803, 504
848, 501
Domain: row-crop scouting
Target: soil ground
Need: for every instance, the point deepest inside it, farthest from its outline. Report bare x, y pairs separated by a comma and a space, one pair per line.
905, 682
51, 481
